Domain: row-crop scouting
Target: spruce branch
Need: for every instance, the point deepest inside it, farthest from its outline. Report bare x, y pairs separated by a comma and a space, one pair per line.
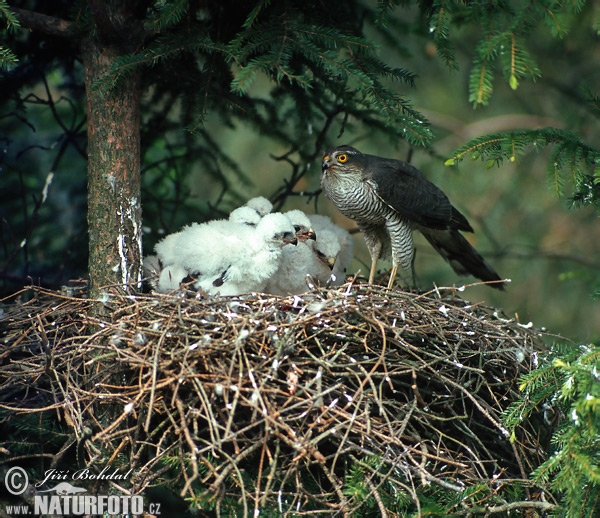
570, 155
253, 16
167, 15
593, 101
385, 8
12, 22
439, 28
7, 59
42, 22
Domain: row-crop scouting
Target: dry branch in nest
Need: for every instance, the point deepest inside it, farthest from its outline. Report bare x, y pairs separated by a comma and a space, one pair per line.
337, 401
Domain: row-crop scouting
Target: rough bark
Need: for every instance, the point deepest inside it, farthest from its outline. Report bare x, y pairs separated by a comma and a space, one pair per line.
43, 23
114, 209
113, 127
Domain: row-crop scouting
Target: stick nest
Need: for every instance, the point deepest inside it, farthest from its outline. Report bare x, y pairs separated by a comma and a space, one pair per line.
330, 401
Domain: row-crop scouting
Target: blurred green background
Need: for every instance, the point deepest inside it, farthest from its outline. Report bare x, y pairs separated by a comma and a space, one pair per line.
549, 250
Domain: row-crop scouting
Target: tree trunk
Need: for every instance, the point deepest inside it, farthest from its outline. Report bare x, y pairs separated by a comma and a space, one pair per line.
114, 205
113, 127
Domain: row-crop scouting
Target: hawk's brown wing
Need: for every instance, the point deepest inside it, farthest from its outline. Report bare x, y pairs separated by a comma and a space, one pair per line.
405, 189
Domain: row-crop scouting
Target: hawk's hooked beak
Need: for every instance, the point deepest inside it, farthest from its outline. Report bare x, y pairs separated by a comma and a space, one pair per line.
326, 162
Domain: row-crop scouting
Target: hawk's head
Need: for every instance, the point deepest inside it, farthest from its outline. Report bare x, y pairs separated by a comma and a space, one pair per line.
342, 159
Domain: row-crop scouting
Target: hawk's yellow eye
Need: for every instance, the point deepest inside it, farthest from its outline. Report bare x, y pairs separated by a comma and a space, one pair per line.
342, 158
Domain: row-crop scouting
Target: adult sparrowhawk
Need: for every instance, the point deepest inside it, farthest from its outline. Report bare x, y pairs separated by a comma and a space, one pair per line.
389, 199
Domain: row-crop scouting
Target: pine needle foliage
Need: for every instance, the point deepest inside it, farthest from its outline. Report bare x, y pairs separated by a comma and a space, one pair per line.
7, 59
503, 45
593, 101
299, 49
8, 17
566, 388
10, 24
167, 14
298, 73
439, 29
571, 160
386, 7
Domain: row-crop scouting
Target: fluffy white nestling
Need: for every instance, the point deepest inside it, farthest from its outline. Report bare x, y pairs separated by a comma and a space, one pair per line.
326, 250
293, 267
163, 270
231, 258
314, 257
245, 215
301, 224
345, 240
261, 205
165, 249
252, 212
170, 278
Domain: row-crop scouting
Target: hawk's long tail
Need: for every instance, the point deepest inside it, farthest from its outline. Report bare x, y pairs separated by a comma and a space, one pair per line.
463, 258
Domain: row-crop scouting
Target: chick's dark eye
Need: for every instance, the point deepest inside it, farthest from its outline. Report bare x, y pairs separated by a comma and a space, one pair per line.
342, 158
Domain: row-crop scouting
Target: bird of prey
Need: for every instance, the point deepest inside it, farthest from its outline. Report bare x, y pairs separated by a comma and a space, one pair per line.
389, 199
162, 278
165, 249
294, 262
326, 250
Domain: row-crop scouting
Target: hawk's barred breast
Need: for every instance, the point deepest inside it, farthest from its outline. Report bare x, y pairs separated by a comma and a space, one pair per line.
389, 199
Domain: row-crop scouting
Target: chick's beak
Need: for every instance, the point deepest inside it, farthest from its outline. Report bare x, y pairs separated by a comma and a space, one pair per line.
304, 234
331, 262
291, 240
328, 261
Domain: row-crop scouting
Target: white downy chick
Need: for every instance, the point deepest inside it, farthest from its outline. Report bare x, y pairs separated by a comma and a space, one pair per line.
167, 265
301, 224
165, 249
151, 269
170, 278
208, 249
252, 212
345, 255
261, 205
293, 267
325, 250
245, 215
232, 258
311, 257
